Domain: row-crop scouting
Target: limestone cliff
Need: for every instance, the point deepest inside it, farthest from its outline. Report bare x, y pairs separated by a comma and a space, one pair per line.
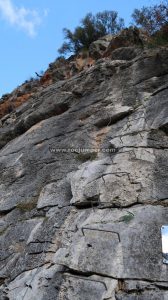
86, 225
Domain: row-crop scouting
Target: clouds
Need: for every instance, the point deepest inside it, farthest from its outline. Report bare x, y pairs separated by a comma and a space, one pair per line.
20, 17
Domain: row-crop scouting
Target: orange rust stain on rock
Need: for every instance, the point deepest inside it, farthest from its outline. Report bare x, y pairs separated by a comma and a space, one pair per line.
84, 63
20, 100
100, 135
46, 79
9, 105
5, 108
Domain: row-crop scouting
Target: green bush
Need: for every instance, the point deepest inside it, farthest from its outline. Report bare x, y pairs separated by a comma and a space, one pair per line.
152, 18
92, 28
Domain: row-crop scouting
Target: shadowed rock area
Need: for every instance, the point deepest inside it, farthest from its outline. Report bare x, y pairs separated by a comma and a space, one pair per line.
86, 225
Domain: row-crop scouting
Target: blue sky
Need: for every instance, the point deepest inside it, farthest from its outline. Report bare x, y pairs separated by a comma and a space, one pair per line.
31, 32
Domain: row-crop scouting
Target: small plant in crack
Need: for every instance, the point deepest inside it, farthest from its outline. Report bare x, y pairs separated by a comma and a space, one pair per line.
27, 206
86, 156
46, 218
146, 98
127, 218
2, 231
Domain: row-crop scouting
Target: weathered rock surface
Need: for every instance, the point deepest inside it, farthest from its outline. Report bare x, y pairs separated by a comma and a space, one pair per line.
126, 38
83, 184
97, 48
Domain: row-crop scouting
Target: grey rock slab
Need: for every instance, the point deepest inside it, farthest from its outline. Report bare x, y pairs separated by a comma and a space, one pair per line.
157, 110
129, 179
37, 284
88, 172
46, 197
13, 245
119, 244
153, 294
112, 115
126, 53
98, 47
91, 287
55, 194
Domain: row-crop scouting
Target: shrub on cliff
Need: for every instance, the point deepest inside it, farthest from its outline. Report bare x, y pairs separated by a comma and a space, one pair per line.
152, 18
91, 28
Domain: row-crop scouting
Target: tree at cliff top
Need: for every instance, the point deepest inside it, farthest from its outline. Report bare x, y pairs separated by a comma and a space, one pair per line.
92, 28
152, 18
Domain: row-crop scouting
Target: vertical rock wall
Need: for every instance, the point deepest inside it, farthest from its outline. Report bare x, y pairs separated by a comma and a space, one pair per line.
86, 226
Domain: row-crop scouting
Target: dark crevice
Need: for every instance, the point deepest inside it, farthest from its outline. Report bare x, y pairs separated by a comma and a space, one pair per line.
5, 212
161, 287
89, 203
47, 207
37, 241
105, 205
118, 206
160, 90
152, 202
108, 121
91, 273
2, 280
144, 147
33, 119
164, 128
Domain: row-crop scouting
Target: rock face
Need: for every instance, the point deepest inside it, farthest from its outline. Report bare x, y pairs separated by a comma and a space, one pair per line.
126, 38
83, 184
97, 48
